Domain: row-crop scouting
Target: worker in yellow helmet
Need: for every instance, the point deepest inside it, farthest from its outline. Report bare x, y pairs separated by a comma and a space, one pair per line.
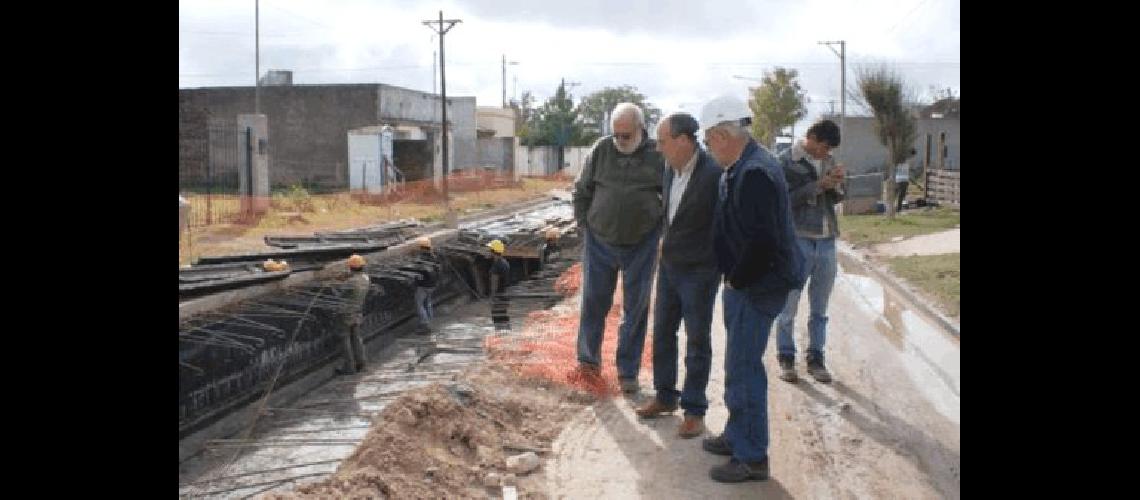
353, 316
426, 282
500, 269
500, 272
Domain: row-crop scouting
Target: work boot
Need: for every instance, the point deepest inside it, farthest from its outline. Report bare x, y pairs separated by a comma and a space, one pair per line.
691, 427
717, 445
736, 471
816, 369
655, 408
788, 368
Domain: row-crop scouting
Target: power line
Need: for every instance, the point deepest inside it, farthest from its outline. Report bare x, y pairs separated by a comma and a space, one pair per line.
903, 18
304, 18
235, 33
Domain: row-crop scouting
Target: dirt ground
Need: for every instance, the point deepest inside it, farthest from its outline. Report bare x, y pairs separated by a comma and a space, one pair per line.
887, 427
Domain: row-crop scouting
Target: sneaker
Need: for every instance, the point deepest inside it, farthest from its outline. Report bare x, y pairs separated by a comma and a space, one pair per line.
816, 369
736, 471
788, 369
717, 445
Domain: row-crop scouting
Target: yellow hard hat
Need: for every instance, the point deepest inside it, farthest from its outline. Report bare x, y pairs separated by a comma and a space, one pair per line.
423, 242
497, 246
356, 262
552, 234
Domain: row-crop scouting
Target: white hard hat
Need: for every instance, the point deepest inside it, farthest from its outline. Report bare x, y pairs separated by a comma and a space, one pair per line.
725, 108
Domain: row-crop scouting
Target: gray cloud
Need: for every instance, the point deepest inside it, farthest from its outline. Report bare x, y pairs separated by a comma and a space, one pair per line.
710, 19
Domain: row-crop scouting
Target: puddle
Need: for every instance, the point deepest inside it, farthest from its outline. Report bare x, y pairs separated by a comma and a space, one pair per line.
931, 357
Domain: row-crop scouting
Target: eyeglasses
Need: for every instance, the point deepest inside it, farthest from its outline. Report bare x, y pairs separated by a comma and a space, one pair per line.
623, 137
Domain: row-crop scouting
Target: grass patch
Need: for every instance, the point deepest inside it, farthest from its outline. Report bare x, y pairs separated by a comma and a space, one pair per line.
871, 229
940, 276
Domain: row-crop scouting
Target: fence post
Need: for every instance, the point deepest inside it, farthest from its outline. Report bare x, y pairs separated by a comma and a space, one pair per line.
209, 173
247, 206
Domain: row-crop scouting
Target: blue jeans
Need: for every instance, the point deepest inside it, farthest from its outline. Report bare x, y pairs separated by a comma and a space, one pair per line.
600, 265
819, 259
748, 321
423, 304
689, 295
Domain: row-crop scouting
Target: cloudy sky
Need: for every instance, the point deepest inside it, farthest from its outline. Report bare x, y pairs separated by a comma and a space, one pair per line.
680, 53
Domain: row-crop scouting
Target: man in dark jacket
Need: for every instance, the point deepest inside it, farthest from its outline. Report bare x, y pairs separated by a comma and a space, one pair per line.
687, 278
756, 249
618, 206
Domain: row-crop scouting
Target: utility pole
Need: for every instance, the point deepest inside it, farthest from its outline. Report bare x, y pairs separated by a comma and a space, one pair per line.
257, 57
505, 63
842, 86
564, 136
441, 31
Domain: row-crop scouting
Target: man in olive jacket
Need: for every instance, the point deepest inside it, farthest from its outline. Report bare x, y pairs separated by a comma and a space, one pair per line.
618, 206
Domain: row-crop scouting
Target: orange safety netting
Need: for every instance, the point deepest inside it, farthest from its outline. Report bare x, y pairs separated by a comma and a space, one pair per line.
547, 346
570, 281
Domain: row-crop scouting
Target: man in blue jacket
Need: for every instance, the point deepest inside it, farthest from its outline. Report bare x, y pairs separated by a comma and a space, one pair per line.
755, 244
688, 277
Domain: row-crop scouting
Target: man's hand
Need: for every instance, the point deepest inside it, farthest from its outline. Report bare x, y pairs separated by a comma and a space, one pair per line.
833, 177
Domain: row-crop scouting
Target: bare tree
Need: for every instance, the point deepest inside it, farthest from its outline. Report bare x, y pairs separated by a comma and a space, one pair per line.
883, 91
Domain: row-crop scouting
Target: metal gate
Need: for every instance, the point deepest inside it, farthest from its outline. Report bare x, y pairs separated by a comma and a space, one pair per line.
209, 172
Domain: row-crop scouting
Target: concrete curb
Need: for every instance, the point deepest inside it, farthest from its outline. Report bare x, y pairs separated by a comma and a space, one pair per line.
900, 287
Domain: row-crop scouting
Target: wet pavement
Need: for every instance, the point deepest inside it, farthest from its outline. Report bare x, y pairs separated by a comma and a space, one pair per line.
887, 427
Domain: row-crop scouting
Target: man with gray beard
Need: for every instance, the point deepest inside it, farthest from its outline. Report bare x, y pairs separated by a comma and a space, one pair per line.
618, 206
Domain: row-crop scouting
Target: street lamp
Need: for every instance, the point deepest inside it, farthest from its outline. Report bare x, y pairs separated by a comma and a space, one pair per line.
505, 63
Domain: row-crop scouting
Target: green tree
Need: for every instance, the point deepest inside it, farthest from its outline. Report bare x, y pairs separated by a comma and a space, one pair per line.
595, 108
556, 122
883, 91
777, 103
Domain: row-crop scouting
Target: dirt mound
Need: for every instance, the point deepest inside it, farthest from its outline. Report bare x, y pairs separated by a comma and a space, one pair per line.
442, 441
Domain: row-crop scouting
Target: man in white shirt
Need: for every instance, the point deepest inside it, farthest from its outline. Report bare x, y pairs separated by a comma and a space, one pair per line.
687, 277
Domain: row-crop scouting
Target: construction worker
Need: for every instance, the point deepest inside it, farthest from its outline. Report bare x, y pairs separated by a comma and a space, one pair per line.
552, 248
353, 316
425, 285
500, 268
500, 271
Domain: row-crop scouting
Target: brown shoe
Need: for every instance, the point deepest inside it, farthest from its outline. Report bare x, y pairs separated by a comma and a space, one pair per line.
654, 408
691, 427
589, 370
